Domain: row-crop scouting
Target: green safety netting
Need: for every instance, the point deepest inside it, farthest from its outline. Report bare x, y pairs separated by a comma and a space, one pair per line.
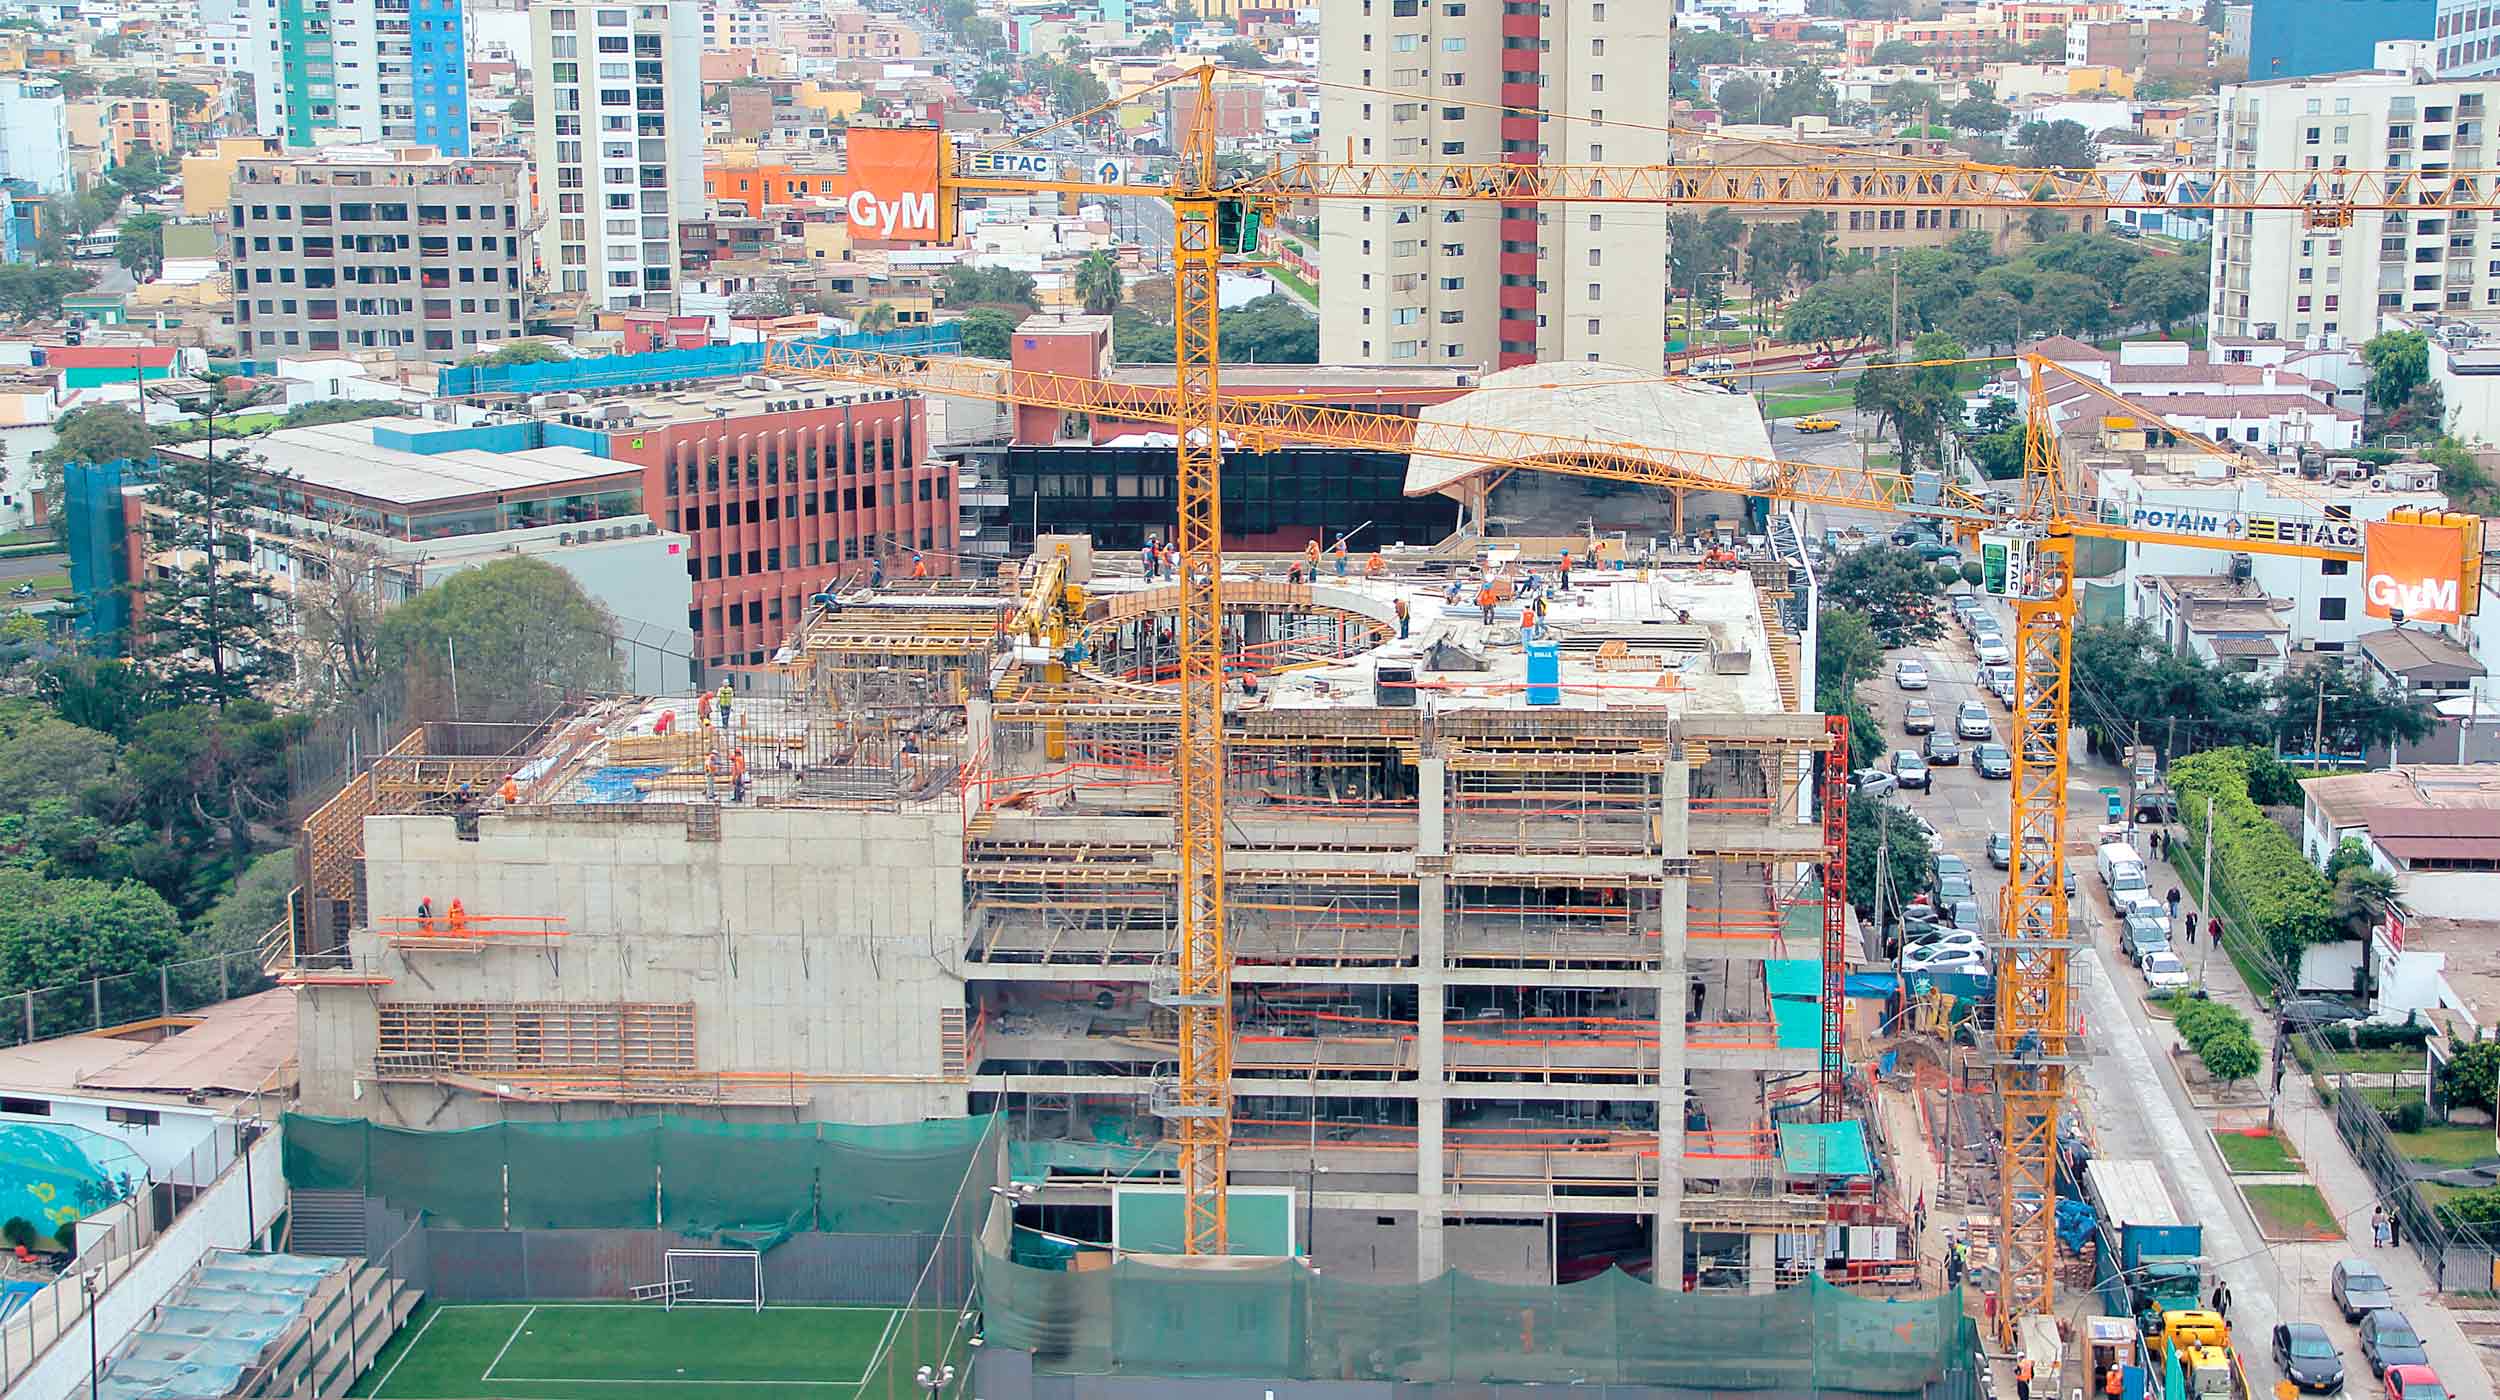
1284, 1320
752, 1183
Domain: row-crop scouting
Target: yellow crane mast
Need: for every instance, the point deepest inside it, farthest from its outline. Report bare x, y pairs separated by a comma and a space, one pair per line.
1216, 220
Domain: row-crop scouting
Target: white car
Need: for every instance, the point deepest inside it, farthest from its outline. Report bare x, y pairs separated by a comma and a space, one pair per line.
1994, 653
1910, 673
2163, 971
2142, 905
1941, 938
1919, 960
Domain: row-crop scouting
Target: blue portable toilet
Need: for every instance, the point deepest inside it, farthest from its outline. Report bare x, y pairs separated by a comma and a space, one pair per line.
1544, 674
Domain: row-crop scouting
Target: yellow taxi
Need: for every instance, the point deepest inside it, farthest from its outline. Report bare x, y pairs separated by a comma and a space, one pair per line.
1818, 425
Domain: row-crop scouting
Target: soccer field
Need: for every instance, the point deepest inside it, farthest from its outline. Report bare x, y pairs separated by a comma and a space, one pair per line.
573, 1351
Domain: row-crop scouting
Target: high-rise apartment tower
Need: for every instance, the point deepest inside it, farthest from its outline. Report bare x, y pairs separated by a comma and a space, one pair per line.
1566, 82
359, 71
618, 138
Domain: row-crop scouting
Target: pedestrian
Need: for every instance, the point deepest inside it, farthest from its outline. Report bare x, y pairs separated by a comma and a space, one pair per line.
2395, 1228
2222, 1300
1402, 611
2191, 927
2022, 1379
2174, 900
2378, 1226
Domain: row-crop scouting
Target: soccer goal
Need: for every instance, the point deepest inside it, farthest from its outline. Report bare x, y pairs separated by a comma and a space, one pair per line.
712, 1276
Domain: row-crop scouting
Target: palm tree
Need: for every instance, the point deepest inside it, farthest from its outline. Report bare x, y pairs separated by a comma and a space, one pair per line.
1098, 283
2363, 896
879, 317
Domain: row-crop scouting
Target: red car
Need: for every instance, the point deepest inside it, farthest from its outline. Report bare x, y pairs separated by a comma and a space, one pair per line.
2415, 1383
1823, 362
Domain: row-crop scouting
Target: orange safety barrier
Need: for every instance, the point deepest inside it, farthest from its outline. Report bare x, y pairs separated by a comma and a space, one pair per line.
472, 926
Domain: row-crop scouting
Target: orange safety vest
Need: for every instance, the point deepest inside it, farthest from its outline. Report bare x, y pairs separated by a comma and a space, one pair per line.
2117, 1383
510, 792
458, 918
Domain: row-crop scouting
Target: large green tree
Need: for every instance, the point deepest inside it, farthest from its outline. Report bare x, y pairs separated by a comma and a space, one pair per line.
513, 638
967, 285
54, 932
1098, 283
988, 333
2400, 362
245, 913
1919, 403
33, 291
215, 629
2062, 144
141, 245
1877, 826
92, 435
2166, 291
2338, 705
43, 755
1895, 595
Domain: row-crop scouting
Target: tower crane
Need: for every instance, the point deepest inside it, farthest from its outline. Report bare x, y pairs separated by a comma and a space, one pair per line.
1216, 218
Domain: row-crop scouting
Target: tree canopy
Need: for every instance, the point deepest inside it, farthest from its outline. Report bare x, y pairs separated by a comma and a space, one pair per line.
1098, 283
967, 285
511, 638
988, 333
2062, 144
1897, 597
58, 931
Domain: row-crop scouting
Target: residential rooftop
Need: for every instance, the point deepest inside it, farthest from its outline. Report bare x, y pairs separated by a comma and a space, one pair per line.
2346, 799
350, 459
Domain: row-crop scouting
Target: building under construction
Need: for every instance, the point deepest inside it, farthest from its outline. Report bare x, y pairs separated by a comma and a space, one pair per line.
1528, 939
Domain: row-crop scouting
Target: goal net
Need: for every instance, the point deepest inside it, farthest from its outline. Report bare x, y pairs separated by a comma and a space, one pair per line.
713, 1276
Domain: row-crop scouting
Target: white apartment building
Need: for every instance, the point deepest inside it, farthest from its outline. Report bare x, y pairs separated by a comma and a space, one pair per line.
618, 143
2468, 39
34, 134
1487, 284
2274, 277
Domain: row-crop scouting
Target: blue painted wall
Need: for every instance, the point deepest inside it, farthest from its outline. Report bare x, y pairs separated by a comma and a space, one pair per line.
438, 75
2301, 38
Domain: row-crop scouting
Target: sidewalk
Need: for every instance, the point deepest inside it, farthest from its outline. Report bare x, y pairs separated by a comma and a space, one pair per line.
2298, 1272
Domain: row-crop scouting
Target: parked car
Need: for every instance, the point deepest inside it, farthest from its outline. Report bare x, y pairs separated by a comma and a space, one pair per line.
1940, 936
1720, 321
2163, 972
1955, 886
2001, 851
1965, 914
2307, 1357
1941, 750
1971, 721
2357, 1288
1993, 761
1873, 782
1994, 652
2140, 936
1910, 770
1948, 863
2388, 1339
1918, 717
1947, 960
1818, 424
1822, 362
2415, 1383
2311, 1012
1910, 673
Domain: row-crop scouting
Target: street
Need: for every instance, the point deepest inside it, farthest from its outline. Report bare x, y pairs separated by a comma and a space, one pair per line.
2132, 1098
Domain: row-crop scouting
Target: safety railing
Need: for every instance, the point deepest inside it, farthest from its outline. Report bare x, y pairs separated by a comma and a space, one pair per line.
104, 1003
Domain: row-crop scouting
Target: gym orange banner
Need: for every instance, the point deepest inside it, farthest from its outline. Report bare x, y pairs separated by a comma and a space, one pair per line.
894, 190
2415, 570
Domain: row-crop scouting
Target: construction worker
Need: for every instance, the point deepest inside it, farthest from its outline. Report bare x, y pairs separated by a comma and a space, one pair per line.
737, 774
1401, 609
1485, 599
722, 701
703, 707
1339, 552
1293, 573
1375, 566
425, 914
666, 722
919, 565
876, 572
2116, 1386
1566, 569
2022, 1379
711, 776
457, 917
1150, 557
510, 792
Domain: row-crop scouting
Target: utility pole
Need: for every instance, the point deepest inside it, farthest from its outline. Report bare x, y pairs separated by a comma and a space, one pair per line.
2317, 729
1896, 302
2205, 894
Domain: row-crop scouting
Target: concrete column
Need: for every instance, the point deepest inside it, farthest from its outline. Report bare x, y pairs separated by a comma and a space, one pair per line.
1431, 1076
1761, 1263
1674, 828
1432, 798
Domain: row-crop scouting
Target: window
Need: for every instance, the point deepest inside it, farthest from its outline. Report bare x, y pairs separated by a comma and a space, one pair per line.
2334, 568
2330, 610
1597, 82
32, 1108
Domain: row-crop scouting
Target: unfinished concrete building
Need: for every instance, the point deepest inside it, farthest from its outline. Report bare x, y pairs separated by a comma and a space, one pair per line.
1528, 963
